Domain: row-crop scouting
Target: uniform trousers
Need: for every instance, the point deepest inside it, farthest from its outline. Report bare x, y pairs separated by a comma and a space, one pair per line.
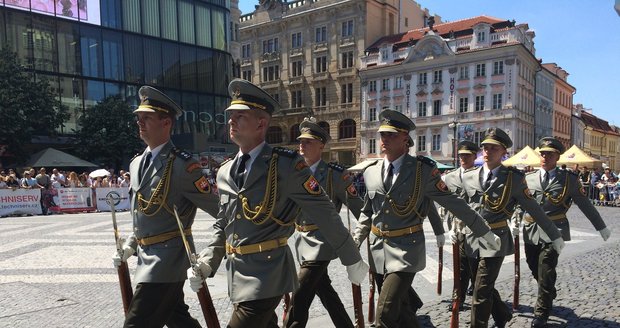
467, 270
314, 280
542, 260
398, 302
157, 304
486, 300
255, 314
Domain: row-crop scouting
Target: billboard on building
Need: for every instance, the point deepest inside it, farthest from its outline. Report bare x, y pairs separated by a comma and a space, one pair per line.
82, 10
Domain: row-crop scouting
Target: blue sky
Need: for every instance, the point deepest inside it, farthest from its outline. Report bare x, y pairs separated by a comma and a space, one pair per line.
582, 37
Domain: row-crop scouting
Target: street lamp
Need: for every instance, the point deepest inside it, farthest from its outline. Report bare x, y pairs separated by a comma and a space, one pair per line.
454, 125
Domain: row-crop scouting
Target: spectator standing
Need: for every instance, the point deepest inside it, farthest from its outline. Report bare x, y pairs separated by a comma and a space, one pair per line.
28, 182
595, 178
73, 181
57, 179
43, 180
126, 182
3, 184
11, 181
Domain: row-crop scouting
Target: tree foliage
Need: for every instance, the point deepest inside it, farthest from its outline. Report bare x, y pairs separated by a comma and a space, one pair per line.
108, 133
28, 106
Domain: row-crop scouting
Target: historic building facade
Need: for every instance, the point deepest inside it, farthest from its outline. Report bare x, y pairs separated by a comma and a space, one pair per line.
562, 103
307, 55
454, 82
543, 115
601, 140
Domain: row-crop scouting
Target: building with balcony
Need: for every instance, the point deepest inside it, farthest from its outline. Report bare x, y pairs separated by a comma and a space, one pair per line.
562, 103
306, 54
93, 49
455, 81
543, 115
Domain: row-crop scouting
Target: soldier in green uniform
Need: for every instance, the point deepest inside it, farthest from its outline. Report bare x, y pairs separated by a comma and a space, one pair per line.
468, 254
554, 190
494, 190
313, 252
262, 191
401, 189
162, 177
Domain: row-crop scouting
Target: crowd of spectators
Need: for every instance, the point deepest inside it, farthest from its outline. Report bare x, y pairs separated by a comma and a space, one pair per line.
30, 179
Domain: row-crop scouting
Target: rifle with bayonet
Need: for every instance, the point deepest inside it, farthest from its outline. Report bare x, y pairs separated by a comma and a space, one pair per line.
456, 290
123, 271
440, 270
204, 297
371, 292
515, 291
357, 290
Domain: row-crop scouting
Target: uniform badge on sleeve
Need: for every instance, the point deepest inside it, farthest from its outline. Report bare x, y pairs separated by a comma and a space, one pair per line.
300, 165
193, 167
352, 191
312, 186
202, 185
435, 172
441, 186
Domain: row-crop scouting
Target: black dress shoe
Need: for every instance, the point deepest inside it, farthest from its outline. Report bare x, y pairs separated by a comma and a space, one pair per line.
539, 322
461, 307
502, 323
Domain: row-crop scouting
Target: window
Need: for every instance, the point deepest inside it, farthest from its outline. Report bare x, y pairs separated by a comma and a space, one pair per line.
437, 76
320, 34
274, 135
296, 41
294, 132
372, 114
481, 36
247, 75
372, 146
398, 82
498, 67
320, 96
463, 103
270, 45
320, 64
271, 73
296, 98
384, 54
497, 101
297, 68
436, 142
346, 129
481, 70
422, 78
437, 107
275, 96
406, 21
246, 51
398, 108
372, 86
478, 136
421, 143
385, 85
346, 59
347, 93
347, 28
463, 73
479, 103
422, 109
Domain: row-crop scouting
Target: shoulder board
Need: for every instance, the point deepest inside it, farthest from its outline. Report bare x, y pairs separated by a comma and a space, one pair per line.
531, 172
470, 169
285, 152
515, 170
336, 166
185, 155
134, 156
227, 160
426, 160
367, 164
450, 171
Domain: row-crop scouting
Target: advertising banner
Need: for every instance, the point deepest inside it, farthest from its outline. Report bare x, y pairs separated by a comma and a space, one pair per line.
120, 196
74, 199
20, 201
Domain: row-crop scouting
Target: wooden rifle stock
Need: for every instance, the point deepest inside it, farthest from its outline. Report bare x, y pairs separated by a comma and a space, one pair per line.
206, 304
456, 290
125, 283
515, 291
371, 292
440, 271
357, 306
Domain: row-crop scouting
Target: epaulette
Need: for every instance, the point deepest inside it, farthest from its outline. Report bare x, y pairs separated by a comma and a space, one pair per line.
470, 169
531, 172
185, 155
227, 160
285, 152
515, 170
134, 156
336, 166
426, 160
365, 164
453, 170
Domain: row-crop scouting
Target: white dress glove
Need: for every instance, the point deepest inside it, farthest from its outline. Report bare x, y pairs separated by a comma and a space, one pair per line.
197, 275
493, 241
441, 240
605, 233
123, 254
558, 245
453, 237
516, 228
357, 272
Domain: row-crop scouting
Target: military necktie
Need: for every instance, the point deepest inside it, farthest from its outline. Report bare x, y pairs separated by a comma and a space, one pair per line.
145, 165
545, 181
240, 174
388, 179
487, 183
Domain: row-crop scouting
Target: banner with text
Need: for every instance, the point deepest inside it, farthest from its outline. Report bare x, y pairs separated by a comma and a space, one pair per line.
74, 199
119, 195
20, 201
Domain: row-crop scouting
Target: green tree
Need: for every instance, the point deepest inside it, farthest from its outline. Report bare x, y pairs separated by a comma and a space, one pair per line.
108, 133
28, 106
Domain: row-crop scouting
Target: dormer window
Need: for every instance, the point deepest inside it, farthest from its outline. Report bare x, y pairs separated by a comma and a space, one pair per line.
481, 36
384, 54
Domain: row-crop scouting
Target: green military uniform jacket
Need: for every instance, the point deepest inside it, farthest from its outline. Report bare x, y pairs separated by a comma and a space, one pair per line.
497, 204
270, 273
177, 179
405, 205
454, 181
555, 200
338, 185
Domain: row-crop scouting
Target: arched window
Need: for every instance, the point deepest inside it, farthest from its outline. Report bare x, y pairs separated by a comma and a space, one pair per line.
346, 129
294, 133
274, 135
325, 126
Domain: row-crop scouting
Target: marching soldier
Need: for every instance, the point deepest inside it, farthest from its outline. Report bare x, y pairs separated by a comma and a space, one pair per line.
313, 252
164, 176
262, 191
468, 254
400, 190
494, 190
554, 190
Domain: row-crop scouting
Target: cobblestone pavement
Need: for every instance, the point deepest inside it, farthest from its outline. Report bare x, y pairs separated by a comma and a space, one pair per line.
56, 271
